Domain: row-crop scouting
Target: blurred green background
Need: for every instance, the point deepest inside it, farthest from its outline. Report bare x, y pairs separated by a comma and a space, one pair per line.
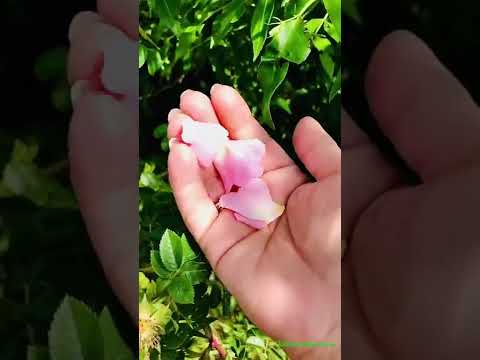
45, 252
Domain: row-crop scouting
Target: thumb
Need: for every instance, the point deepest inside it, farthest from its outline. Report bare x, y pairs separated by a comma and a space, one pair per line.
316, 149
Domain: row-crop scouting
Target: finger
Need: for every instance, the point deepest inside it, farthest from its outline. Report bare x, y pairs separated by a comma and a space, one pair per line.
175, 123
103, 153
90, 38
122, 14
316, 149
366, 174
198, 106
234, 114
85, 55
197, 209
314, 214
421, 107
227, 232
80, 23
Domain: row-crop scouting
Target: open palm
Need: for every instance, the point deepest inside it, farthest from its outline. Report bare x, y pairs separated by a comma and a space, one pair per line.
286, 277
410, 276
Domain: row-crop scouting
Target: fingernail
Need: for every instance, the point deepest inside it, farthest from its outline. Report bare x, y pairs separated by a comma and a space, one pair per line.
213, 87
185, 93
172, 142
172, 113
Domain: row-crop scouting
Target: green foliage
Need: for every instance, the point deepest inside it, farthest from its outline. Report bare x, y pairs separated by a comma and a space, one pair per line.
79, 334
246, 44
186, 313
284, 58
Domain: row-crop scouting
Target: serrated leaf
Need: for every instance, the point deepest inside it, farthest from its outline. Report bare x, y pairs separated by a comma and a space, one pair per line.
114, 347
291, 41
270, 75
157, 265
259, 26
188, 253
181, 290
196, 271
74, 333
334, 10
171, 250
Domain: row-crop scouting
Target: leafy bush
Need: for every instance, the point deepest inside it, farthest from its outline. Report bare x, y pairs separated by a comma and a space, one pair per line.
284, 58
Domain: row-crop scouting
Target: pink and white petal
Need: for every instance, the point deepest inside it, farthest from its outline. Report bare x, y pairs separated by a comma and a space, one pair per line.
256, 224
253, 202
206, 139
241, 162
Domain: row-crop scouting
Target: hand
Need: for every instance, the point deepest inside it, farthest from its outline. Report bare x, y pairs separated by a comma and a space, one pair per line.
286, 277
410, 275
103, 144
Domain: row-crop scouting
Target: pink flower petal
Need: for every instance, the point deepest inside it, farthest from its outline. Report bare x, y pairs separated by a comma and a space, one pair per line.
256, 224
241, 162
253, 202
207, 140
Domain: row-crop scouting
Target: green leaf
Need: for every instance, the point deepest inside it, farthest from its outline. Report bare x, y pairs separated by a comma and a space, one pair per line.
230, 15
259, 26
332, 31
37, 353
271, 75
22, 177
114, 347
166, 10
196, 271
334, 10
74, 333
291, 41
171, 250
154, 63
336, 86
314, 25
256, 341
327, 63
321, 43
181, 289
148, 179
142, 56
157, 265
186, 40
297, 8
188, 253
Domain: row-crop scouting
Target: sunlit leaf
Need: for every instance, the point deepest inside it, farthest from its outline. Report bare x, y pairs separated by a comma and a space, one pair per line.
271, 76
259, 26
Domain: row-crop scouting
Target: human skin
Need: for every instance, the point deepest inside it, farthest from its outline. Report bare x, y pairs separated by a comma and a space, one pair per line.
286, 277
410, 276
290, 288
